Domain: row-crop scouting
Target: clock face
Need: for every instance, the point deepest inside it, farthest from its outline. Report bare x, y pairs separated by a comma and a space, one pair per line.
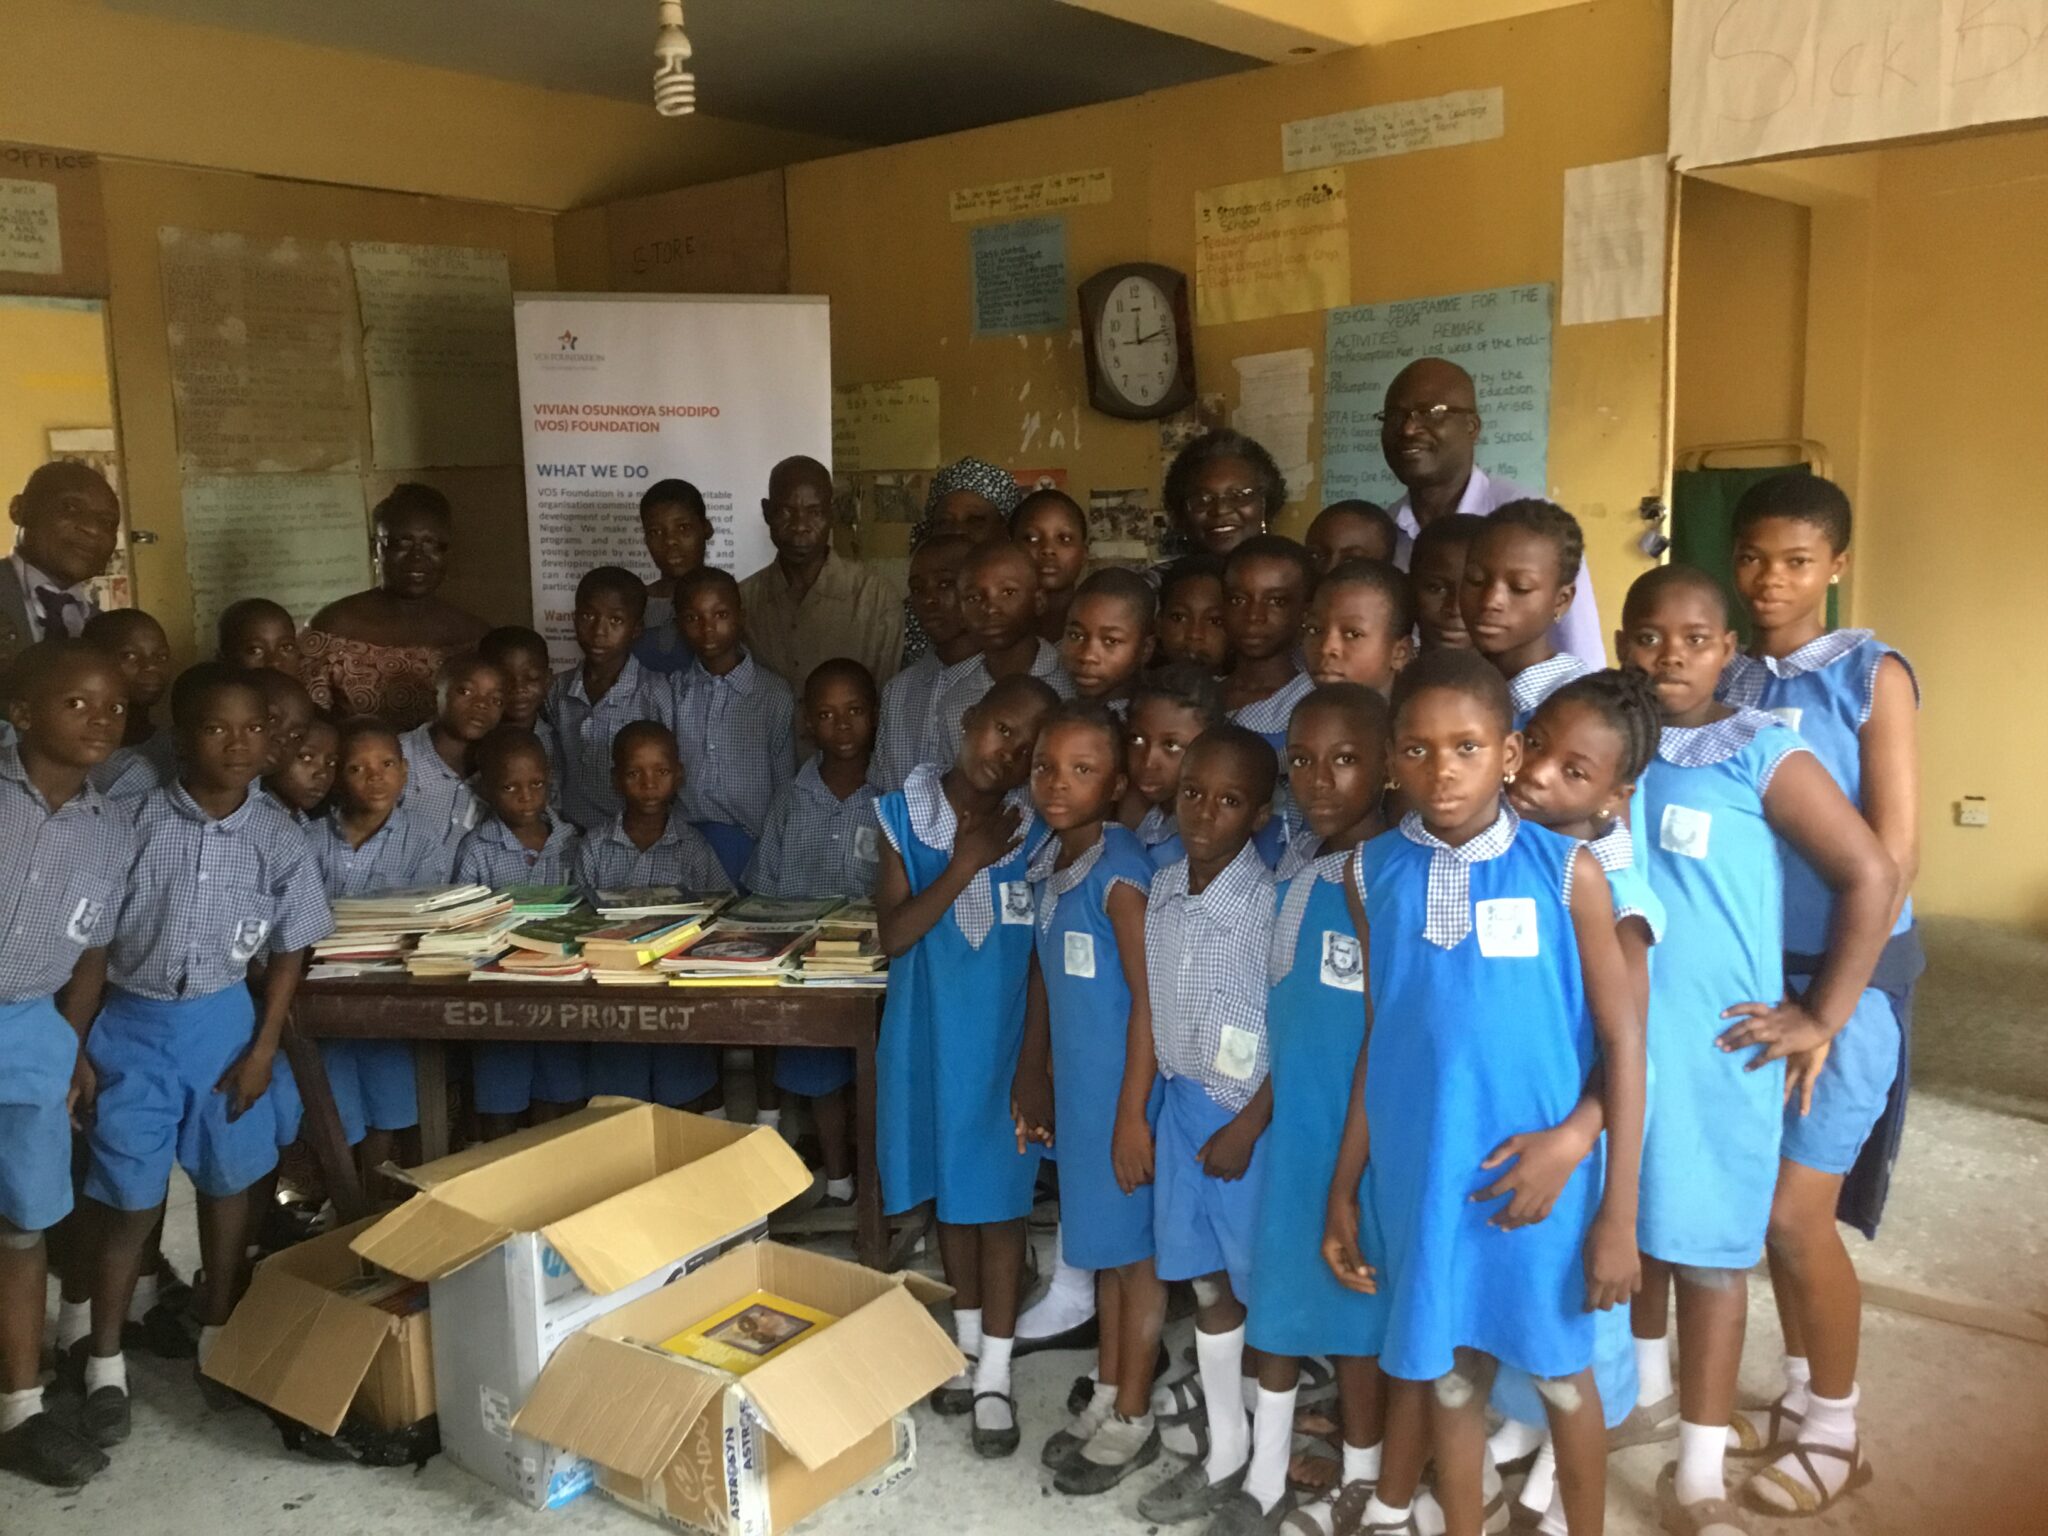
1140, 348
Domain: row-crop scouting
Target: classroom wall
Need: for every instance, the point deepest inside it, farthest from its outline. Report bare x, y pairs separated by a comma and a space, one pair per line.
53, 373
1740, 361
1583, 85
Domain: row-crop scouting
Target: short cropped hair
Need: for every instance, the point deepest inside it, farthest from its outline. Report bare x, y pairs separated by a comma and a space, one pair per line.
1802, 498
1383, 577
1455, 671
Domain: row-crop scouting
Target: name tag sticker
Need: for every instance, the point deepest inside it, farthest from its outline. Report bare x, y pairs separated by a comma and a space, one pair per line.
1343, 962
84, 918
1081, 955
1506, 927
1237, 1053
469, 813
865, 845
1016, 901
1685, 831
1787, 714
249, 936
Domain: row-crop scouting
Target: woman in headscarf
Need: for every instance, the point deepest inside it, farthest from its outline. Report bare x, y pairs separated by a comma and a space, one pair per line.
973, 498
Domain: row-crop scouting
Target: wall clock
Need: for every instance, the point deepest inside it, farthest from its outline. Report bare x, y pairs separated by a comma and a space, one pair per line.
1138, 341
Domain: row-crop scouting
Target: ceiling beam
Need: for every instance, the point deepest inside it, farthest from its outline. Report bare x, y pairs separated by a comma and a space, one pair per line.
1289, 31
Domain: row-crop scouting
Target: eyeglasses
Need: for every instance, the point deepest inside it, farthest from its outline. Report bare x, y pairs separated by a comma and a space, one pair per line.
1240, 498
1430, 416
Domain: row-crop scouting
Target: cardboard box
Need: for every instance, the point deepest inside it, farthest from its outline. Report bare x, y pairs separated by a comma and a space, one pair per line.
749, 1456
526, 1240
298, 1346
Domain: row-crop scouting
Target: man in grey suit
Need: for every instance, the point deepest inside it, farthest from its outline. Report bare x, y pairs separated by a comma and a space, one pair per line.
68, 523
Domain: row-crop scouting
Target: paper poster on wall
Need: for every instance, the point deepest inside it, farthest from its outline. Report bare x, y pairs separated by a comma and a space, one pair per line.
1394, 128
1020, 277
1272, 247
29, 241
1501, 336
437, 353
300, 540
1029, 194
891, 425
620, 391
262, 372
1614, 241
1275, 406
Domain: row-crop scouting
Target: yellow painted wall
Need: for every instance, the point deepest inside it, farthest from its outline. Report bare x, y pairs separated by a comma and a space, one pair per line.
53, 373
1582, 85
79, 74
1741, 349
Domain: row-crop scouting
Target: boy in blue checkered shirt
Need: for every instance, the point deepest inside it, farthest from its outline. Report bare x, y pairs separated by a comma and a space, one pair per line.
147, 757
588, 704
469, 701
64, 859
822, 839
221, 877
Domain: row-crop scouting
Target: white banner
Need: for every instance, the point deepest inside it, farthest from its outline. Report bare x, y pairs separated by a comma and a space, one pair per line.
617, 392
1754, 78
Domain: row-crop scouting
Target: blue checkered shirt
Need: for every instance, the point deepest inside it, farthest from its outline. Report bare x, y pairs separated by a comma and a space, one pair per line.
606, 860
583, 734
1206, 958
1448, 908
493, 855
906, 714
132, 772
438, 797
943, 732
816, 844
1269, 716
737, 735
402, 854
1528, 688
208, 896
67, 869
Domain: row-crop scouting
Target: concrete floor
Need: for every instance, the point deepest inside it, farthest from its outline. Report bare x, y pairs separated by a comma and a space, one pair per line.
1953, 1415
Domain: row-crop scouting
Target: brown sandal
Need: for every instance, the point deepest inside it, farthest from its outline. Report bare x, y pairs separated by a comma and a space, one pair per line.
1780, 1425
1706, 1517
1811, 1497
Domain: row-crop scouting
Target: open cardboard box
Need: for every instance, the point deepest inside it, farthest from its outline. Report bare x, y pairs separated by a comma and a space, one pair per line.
748, 1456
526, 1240
298, 1346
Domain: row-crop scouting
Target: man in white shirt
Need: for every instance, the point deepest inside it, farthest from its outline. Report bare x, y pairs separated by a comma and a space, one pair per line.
1429, 432
68, 523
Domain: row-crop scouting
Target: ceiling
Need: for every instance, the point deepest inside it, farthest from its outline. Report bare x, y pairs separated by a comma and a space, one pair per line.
865, 71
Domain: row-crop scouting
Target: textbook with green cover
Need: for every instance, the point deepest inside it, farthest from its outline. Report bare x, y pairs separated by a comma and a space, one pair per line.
748, 1332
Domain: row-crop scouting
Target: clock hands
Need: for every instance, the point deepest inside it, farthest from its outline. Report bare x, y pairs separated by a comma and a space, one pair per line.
1139, 341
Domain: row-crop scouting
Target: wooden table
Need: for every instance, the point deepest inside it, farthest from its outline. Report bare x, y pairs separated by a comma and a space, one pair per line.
432, 1014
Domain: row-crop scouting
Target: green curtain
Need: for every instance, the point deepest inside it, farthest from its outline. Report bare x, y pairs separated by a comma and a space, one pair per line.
1703, 521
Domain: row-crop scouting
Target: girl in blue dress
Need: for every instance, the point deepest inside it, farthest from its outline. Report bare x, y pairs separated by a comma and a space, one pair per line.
1725, 786
1854, 702
1085, 1081
1496, 983
1170, 708
954, 915
1521, 574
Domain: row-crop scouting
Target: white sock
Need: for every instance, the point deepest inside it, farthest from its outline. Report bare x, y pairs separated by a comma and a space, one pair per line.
1831, 1420
1219, 1357
1552, 1523
839, 1189
1068, 1302
771, 1118
967, 1331
74, 1322
143, 1299
17, 1408
1379, 1512
1071, 1284
1541, 1482
1513, 1440
1653, 1370
1362, 1463
1702, 1458
209, 1335
1272, 1439
1101, 1403
110, 1372
1798, 1383
992, 1374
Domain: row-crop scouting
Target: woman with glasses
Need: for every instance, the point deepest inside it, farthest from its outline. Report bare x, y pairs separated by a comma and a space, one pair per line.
1220, 490
376, 652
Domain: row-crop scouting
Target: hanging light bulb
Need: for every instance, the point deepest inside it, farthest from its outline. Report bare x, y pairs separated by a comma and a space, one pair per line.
675, 86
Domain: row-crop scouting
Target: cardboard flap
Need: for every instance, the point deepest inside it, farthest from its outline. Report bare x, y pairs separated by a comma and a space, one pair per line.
445, 1170
298, 1348
832, 1391
622, 1239
426, 1238
927, 1290
622, 1406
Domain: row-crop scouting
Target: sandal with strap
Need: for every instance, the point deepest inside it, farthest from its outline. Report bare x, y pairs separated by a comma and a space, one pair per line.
1810, 1497
1706, 1517
1779, 1425
995, 1444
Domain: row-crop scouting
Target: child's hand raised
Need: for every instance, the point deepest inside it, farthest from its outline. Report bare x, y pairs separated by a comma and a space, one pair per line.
988, 840
1785, 1029
1544, 1163
1341, 1251
245, 1082
1614, 1269
1130, 1152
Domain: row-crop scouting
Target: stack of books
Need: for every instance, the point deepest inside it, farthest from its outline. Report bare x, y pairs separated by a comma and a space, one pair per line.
782, 912
731, 953
457, 952
374, 935
557, 936
841, 954
530, 965
659, 901
532, 902
622, 954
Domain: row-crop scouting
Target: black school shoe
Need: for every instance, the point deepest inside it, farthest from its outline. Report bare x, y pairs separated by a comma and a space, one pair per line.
43, 1449
104, 1418
166, 1331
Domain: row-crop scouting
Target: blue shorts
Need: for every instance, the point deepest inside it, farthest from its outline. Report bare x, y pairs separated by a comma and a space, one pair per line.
1850, 1095
375, 1088
157, 1063
1200, 1225
38, 1050
508, 1075
810, 1070
674, 1075
288, 1108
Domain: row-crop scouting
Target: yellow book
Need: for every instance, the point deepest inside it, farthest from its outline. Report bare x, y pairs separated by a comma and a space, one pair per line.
750, 1332
772, 979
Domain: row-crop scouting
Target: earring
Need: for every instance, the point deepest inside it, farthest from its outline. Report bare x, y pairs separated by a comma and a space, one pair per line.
1834, 581
1509, 779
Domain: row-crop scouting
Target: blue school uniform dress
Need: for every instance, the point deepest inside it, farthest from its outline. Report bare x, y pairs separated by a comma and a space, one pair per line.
508, 1075
607, 860
583, 730
661, 647
373, 1081
439, 798
1268, 717
816, 844
737, 735
1528, 688
1159, 835
205, 898
1480, 1030
62, 874
1205, 967
952, 1025
129, 773
968, 685
1825, 691
1089, 1004
1315, 1028
1710, 1143
1614, 1352
908, 699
